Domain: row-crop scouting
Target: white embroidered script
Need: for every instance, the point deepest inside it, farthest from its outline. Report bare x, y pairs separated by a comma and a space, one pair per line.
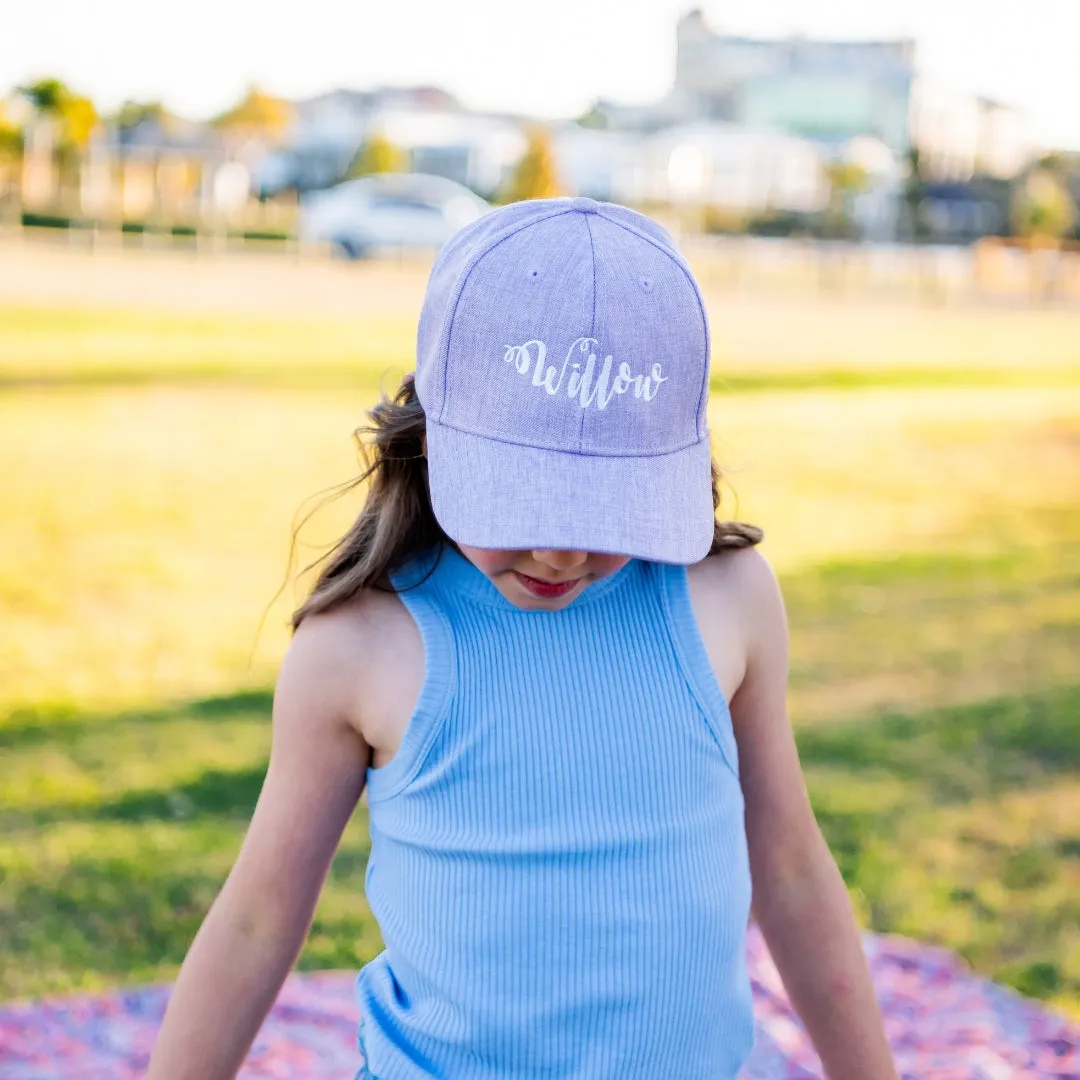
579, 376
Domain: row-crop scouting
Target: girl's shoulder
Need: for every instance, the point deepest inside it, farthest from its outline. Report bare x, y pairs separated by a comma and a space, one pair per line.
739, 611
364, 628
741, 576
367, 654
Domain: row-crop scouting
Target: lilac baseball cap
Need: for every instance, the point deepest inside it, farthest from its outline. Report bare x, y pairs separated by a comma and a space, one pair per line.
563, 366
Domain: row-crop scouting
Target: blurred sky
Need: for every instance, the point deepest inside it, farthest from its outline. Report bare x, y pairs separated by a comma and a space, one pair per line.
544, 57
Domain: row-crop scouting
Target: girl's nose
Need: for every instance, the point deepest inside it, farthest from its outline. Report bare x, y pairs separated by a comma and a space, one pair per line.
561, 562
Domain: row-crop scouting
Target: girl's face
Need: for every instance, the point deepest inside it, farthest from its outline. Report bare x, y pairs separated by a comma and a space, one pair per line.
542, 580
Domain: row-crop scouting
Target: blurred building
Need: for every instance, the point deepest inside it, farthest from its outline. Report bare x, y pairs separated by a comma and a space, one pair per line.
757, 130
876, 208
960, 135
732, 167
604, 165
160, 164
476, 150
827, 90
433, 132
325, 135
832, 92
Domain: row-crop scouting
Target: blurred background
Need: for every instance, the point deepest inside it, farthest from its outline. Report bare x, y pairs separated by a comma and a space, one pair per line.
215, 228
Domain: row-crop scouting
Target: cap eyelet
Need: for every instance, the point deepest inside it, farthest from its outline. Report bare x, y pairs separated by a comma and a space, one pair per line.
646, 284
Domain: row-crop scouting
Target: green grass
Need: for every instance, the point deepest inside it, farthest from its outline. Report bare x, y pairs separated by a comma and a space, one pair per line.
924, 629
955, 826
951, 825
925, 521
119, 828
72, 347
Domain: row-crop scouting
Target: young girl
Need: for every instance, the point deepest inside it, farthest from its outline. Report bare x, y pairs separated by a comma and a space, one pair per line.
562, 684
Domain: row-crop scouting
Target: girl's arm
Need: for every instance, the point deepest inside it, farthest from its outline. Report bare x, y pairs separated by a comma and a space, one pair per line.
800, 901
256, 927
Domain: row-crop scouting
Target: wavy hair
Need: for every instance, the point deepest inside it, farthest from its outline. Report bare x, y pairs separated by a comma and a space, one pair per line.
397, 523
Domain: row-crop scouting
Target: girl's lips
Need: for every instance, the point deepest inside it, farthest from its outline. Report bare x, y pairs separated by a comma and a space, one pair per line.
548, 590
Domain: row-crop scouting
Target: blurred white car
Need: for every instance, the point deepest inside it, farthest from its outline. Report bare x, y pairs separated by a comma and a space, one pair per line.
389, 210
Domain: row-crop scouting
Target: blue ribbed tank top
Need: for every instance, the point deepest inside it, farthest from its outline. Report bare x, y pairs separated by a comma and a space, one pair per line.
558, 854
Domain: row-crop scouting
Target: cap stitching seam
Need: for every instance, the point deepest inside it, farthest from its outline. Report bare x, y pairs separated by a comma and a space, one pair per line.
572, 453
464, 280
680, 262
592, 321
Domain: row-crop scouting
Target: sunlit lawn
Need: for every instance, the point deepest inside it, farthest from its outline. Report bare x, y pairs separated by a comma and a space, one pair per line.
927, 532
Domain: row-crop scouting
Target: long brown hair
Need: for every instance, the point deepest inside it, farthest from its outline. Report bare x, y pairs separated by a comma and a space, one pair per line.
397, 522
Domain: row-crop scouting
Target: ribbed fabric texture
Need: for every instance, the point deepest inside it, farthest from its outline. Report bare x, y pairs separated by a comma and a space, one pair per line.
558, 854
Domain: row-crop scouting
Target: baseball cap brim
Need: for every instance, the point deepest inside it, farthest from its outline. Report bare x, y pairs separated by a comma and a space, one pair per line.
492, 494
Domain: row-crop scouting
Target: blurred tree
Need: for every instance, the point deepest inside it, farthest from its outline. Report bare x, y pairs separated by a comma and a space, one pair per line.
846, 179
594, 118
915, 196
256, 115
133, 113
1042, 208
535, 176
75, 115
1055, 162
80, 119
72, 119
46, 95
1044, 213
376, 154
11, 138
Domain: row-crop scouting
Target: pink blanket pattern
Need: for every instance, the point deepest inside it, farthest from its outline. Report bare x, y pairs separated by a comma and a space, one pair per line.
944, 1023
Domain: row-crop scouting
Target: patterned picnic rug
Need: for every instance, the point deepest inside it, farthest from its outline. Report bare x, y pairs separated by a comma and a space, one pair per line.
944, 1023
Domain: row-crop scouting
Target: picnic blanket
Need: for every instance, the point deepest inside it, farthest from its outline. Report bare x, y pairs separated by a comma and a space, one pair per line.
944, 1023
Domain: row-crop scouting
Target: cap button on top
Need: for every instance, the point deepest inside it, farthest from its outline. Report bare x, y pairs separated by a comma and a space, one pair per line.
586, 206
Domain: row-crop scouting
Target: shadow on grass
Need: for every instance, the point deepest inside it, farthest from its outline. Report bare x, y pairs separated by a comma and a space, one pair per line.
961, 753
57, 724
948, 826
114, 914
220, 793
920, 582
92, 740
920, 630
117, 840
123, 907
945, 756
916, 809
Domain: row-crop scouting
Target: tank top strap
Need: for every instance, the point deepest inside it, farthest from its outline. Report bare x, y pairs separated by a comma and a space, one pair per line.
673, 585
418, 586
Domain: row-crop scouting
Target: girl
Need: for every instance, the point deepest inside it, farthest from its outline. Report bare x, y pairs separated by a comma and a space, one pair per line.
526, 649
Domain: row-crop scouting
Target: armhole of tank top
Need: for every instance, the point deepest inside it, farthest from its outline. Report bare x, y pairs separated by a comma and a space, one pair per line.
694, 659
436, 692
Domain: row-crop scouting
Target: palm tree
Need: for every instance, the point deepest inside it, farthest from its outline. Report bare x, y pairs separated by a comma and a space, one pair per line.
75, 115
69, 120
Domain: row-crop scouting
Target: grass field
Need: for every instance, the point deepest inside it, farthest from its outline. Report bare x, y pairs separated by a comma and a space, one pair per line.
922, 507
